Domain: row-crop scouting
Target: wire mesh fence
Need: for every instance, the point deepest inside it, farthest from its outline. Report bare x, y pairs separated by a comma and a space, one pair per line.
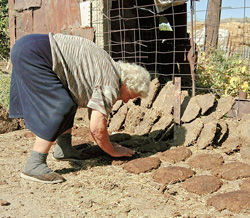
171, 40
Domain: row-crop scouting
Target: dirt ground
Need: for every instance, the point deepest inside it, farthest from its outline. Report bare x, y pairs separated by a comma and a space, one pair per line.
99, 186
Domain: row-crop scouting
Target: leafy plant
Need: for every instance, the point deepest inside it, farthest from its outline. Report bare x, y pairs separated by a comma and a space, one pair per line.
4, 30
225, 75
4, 89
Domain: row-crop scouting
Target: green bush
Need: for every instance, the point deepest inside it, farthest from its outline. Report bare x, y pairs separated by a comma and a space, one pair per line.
224, 75
4, 89
4, 30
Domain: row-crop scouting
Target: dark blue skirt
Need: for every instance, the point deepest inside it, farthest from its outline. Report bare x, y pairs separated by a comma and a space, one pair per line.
36, 93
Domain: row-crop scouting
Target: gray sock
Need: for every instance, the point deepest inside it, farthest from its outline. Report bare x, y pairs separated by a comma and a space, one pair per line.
64, 147
36, 164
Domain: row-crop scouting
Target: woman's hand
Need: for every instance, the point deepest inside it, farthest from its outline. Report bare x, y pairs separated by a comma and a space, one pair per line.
120, 151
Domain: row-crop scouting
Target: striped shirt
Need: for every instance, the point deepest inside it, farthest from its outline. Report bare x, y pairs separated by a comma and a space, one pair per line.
87, 71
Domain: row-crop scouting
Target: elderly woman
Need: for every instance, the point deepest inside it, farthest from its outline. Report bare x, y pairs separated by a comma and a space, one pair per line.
55, 74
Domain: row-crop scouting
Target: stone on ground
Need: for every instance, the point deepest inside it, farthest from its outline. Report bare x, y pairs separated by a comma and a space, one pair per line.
153, 90
192, 111
118, 119
4, 202
245, 185
172, 174
235, 201
202, 184
176, 154
206, 161
232, 171
142, 165
207, 134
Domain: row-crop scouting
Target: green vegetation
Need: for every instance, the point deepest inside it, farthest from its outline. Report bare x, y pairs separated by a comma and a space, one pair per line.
4, 30
225, 75
4, 53
4, 89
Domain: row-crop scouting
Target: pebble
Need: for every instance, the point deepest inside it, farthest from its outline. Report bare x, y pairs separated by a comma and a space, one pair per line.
4, 203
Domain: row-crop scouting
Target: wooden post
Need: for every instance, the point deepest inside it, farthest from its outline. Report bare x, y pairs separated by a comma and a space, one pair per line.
177, 102
212, 24
177, 105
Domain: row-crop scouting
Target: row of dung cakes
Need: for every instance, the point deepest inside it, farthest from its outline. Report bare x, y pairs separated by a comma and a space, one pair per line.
202, 118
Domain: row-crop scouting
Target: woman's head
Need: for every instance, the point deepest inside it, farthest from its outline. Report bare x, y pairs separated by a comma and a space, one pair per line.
135, 77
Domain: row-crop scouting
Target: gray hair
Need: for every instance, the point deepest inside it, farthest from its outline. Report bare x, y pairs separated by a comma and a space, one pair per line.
135, 77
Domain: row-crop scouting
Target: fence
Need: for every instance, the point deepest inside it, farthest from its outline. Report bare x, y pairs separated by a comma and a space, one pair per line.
158, 35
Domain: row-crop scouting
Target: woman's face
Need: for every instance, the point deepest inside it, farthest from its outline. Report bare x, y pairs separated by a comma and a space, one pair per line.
126, 95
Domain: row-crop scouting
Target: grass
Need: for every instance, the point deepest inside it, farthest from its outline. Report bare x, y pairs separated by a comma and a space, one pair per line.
4, 88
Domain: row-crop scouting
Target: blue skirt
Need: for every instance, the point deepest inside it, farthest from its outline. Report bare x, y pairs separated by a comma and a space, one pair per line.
36, 93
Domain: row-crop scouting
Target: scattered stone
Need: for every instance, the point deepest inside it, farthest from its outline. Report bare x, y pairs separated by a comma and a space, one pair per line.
192, 111
153, 90
205, 102
207, 135
3, 182
202, 184
4, 203
29, 135
223, 107
176, 154
188, 133
235, 201
134, 116
119, 137
165, 100
172, 174
245, 185
206, 161
148, 121
142, 165
118, 119
118, 162
232, 171
245, 153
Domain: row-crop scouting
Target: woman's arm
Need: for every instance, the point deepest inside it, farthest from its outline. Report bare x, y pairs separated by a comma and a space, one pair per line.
98, 129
